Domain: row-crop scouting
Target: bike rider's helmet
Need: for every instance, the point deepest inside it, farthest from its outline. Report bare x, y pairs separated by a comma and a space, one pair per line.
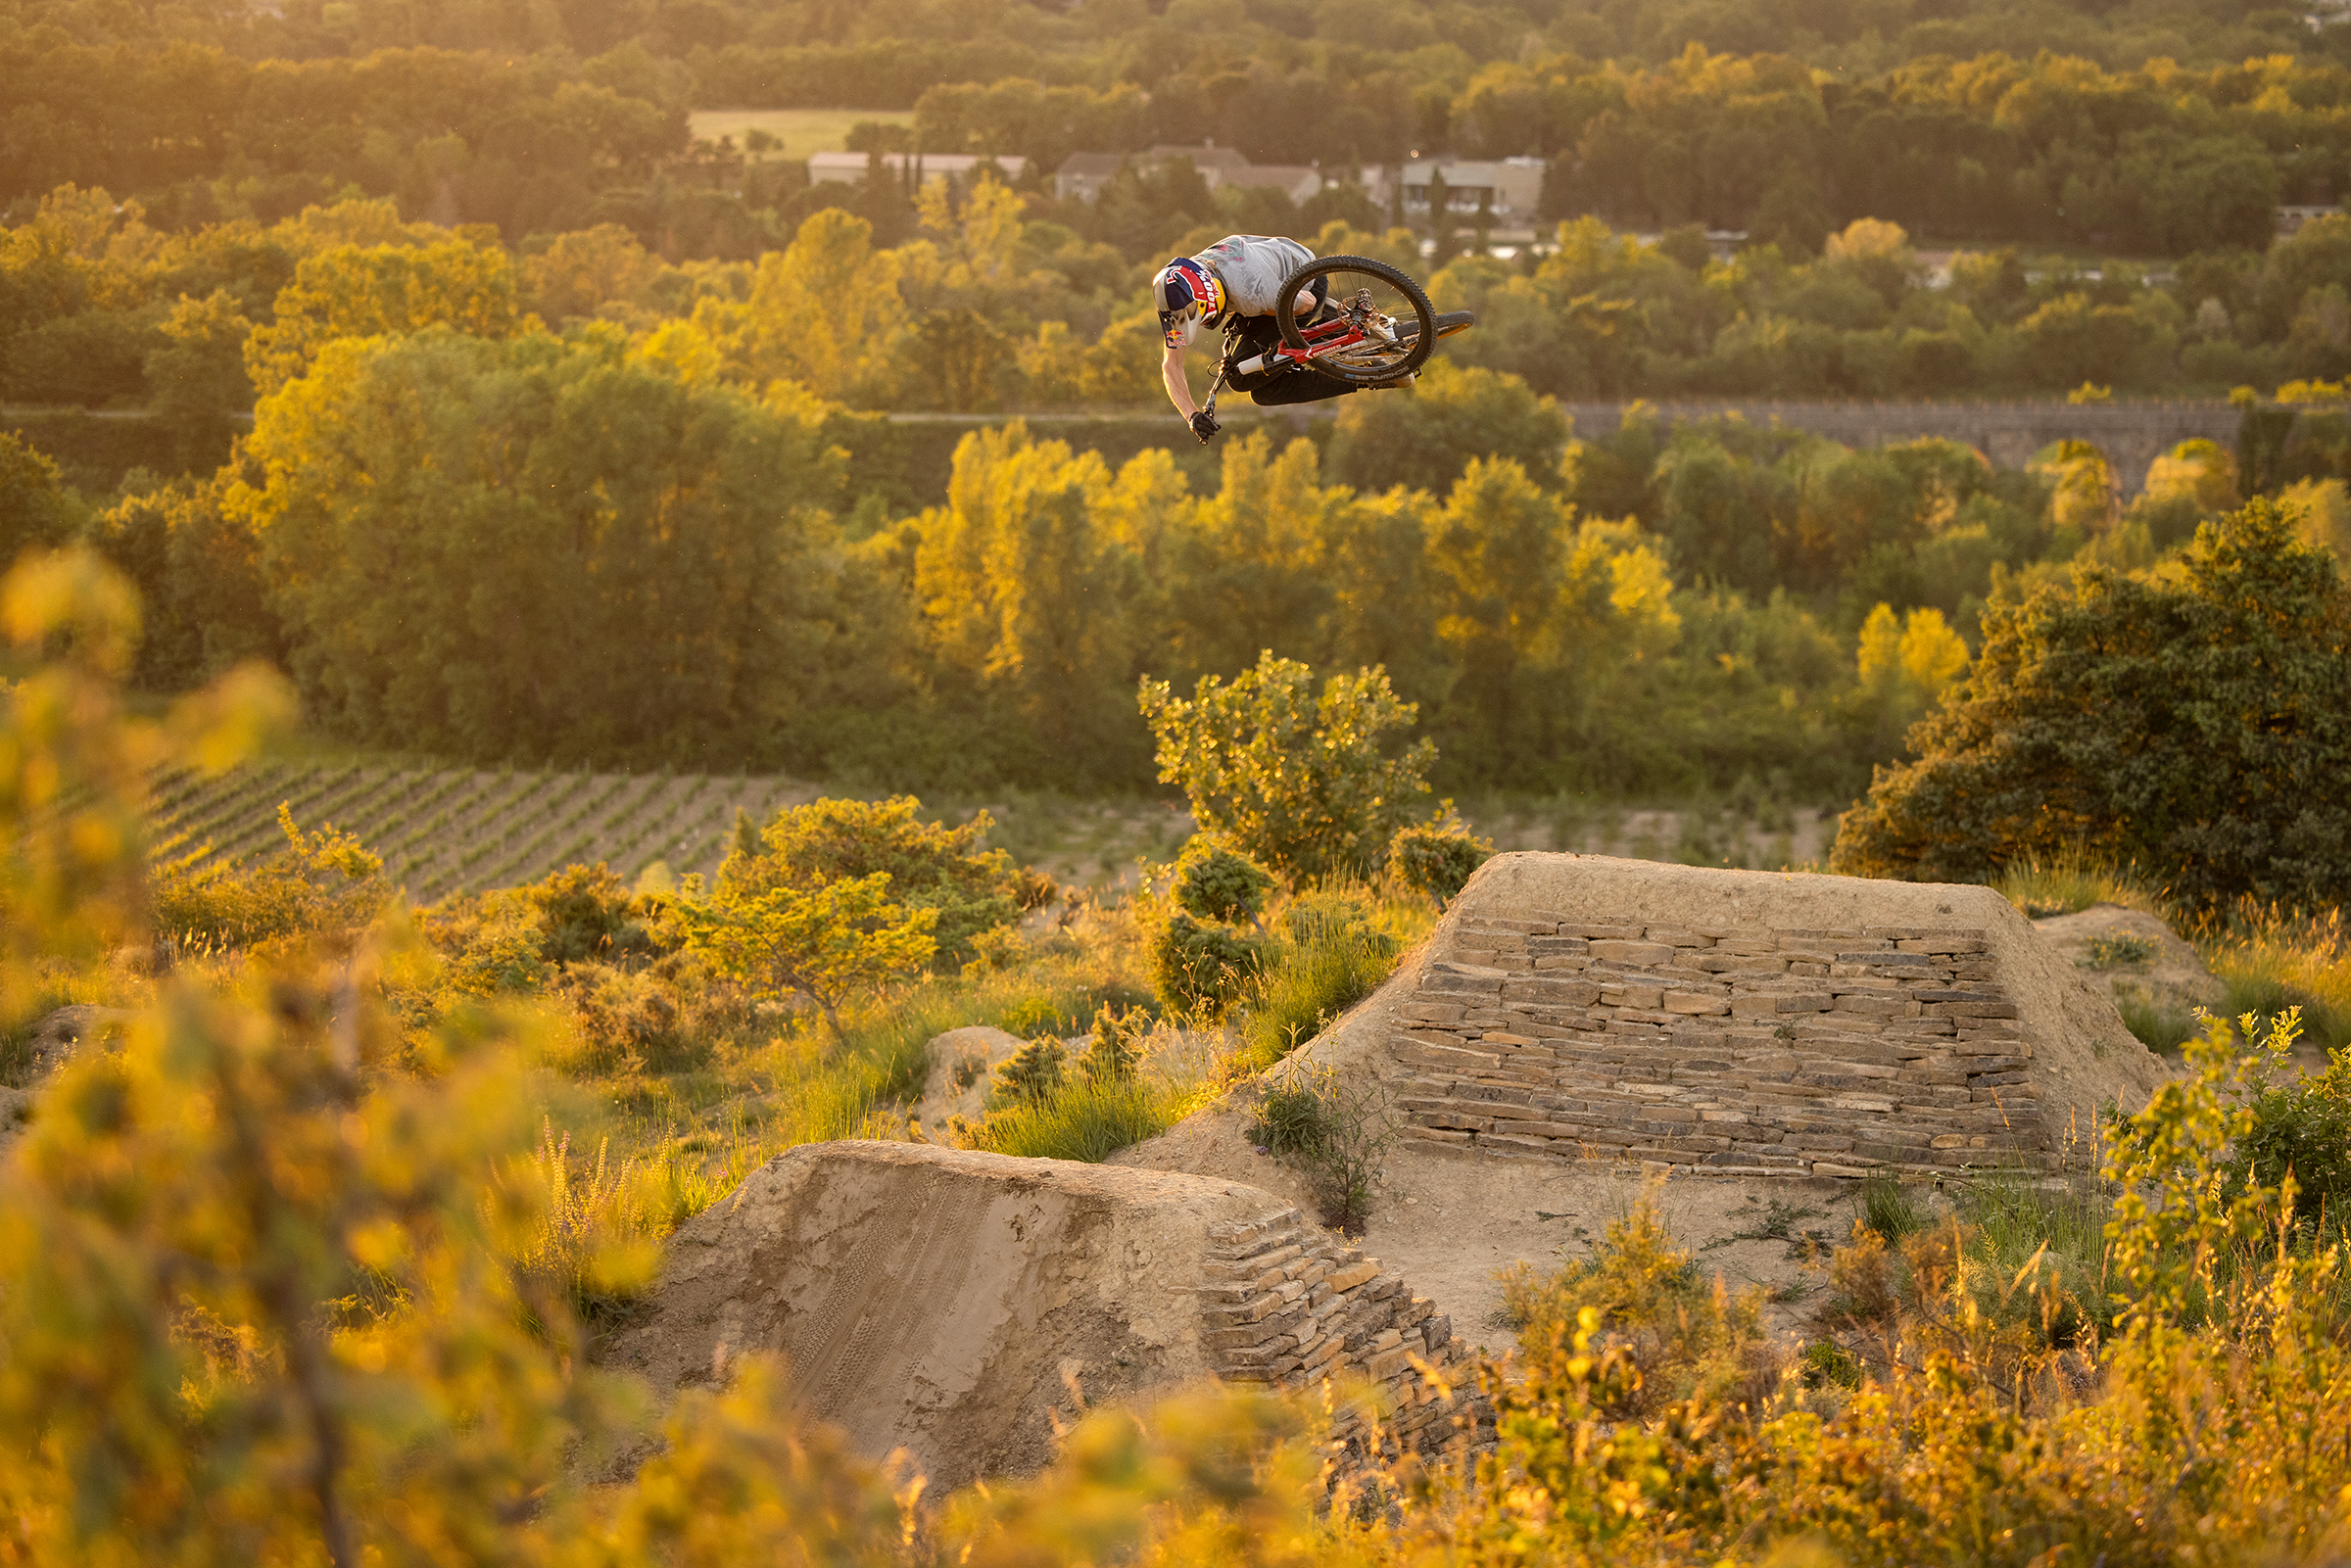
1187, 293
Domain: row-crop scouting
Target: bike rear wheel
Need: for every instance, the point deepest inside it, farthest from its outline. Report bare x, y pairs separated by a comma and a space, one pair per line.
1391, 325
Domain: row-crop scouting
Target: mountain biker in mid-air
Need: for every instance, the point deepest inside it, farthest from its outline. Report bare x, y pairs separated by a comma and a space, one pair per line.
1235, 283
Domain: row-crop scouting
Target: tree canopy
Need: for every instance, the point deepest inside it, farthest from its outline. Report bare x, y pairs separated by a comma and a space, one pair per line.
2195, 720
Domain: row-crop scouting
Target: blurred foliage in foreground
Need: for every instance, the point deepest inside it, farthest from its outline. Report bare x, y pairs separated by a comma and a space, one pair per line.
273, 1287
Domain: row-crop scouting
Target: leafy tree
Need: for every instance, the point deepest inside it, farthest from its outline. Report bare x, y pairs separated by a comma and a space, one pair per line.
825, 311
1304, 784
586, 272
570, 553
197, 378
826, 944
2190, 719
1031, 603
204, 608
947, 870
36, 512
1454, 415
1906, 665
354, 291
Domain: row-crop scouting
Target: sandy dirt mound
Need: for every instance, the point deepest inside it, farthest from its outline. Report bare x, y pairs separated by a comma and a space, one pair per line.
2137, 955
959, 1304
956, 1084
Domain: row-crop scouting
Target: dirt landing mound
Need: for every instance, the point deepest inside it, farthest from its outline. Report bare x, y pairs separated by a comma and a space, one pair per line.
950, 1301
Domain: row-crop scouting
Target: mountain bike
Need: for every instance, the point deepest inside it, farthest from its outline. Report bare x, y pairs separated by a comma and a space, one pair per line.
1370, 325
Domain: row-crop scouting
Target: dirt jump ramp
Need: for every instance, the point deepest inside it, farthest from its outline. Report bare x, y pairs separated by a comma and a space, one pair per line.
1571, 1007
960, 1304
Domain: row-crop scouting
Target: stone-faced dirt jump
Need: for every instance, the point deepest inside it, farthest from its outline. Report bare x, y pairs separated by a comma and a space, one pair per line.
958, 1304
1750, 1022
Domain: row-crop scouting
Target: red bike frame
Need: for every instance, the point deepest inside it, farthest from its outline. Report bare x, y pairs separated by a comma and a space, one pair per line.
1340, 332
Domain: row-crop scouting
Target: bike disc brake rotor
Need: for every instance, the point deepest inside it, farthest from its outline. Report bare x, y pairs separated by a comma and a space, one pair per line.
1380, 319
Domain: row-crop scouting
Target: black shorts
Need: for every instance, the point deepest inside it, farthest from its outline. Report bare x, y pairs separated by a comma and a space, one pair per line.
1248, 336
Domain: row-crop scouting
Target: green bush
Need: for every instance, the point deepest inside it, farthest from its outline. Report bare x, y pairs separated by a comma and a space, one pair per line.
1032, 1074
972, 888
2173, 718
1438, 858
1300, 783
324, 882
2304, 1127
1202, 969
1114, 1047
1289, 1119
1218, 885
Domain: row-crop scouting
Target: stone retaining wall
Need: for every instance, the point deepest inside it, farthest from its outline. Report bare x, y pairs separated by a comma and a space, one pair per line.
1288, 1305
1822, 1051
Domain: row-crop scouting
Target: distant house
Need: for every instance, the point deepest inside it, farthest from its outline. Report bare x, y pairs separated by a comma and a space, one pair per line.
848, 168
1296, 180
2290, 218
1084, 174
1215, 163
1508, 191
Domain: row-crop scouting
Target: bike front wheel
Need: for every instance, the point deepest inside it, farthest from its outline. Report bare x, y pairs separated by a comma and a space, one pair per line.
1377, 326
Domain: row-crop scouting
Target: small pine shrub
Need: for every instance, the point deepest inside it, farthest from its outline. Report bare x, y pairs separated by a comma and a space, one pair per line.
1115, 1044
1215, 885
1438, 858
1031, 1074
1202, 969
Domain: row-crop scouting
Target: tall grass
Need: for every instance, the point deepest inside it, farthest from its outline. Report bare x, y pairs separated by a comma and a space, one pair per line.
1340, 945
1086, 1119
2268, 960
2068, 880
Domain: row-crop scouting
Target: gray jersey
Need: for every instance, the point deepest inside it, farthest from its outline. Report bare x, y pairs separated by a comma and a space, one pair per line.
1253, 267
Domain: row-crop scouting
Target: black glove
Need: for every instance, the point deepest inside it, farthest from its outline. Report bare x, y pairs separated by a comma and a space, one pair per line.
1204, 426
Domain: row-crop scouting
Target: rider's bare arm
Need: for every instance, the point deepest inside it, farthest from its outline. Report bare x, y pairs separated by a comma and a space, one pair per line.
1179, 390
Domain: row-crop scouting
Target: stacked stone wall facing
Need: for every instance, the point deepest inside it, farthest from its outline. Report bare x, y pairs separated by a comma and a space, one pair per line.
1289, 1305
1750, 1050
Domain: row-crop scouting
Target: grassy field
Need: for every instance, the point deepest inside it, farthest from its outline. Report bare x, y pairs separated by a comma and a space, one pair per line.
802, 132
